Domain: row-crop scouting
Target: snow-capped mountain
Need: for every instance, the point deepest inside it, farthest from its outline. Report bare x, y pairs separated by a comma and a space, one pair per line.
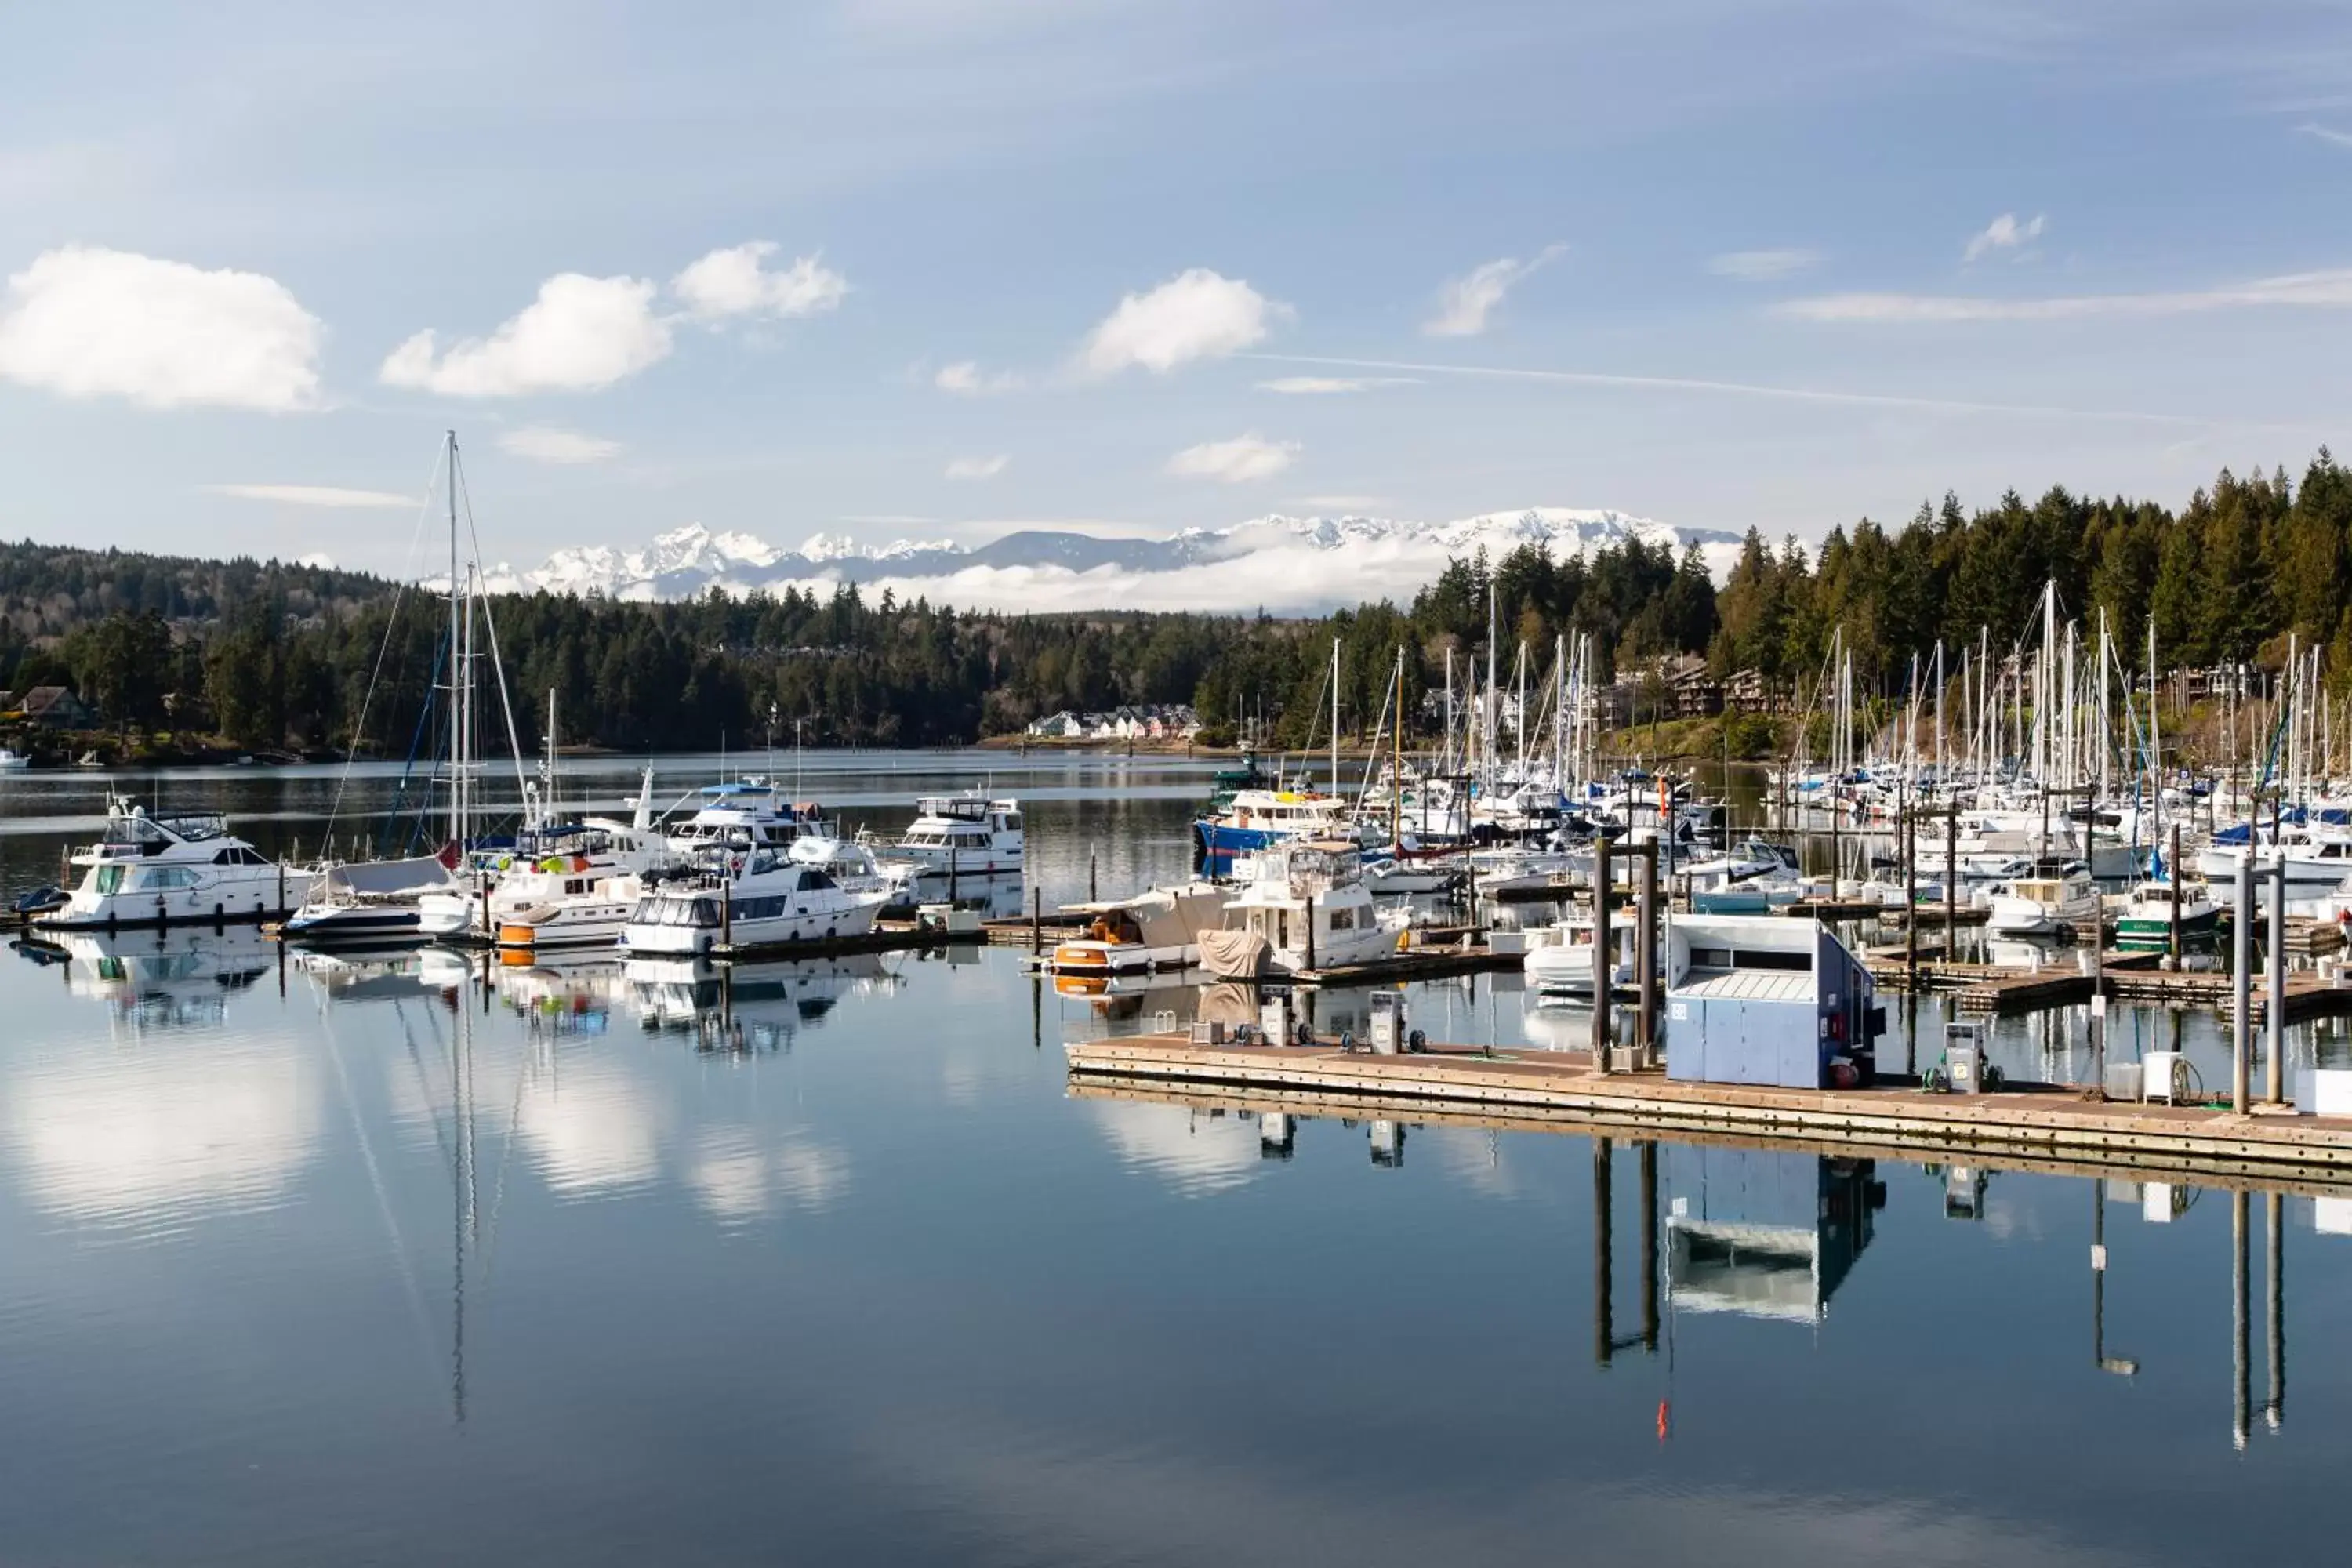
1277, 561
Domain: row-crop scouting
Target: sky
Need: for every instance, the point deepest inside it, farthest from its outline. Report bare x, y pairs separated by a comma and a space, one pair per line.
943, 268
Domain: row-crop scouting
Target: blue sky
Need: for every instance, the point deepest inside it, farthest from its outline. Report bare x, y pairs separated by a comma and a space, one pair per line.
1714, 263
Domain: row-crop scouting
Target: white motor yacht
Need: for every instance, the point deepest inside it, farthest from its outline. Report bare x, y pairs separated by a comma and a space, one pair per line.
180, 869
964, 835
1305, 906
756, 900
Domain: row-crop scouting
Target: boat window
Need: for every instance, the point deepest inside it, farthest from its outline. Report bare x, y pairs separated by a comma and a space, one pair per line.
704, 912
1343, 920
814, 882
1012, 822
109, 879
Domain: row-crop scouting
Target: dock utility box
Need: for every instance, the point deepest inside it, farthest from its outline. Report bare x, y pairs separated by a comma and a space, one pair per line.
1768, 999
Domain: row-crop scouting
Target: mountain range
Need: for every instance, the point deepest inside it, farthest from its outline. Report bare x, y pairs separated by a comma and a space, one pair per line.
1277, 562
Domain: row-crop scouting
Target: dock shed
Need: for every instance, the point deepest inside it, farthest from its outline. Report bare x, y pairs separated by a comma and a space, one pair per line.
1768, 999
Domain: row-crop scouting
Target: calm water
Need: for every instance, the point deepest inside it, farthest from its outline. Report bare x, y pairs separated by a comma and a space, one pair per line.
420, 1261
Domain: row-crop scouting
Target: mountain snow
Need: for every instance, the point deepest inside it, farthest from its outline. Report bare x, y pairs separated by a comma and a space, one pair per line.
1277, 562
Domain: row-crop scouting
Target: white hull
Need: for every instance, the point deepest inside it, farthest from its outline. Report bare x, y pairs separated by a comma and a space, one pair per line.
851, 916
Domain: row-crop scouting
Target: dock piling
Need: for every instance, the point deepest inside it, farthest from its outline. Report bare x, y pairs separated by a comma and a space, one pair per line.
1036, 920
2241, 989
2275, 1080
1650, 1248
2174, 865
1645, 953
1603, 880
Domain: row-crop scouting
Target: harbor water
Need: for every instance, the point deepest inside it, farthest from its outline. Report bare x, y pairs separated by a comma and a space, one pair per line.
421, 1258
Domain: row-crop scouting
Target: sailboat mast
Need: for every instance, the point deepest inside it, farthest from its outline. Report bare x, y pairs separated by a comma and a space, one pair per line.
457, 638
1334, 715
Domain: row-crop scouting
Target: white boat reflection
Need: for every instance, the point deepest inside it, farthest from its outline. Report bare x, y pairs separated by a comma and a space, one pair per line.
356, 973
746, 1006
166, 978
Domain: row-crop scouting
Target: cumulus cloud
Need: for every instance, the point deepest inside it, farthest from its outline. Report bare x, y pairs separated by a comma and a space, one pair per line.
2320, 290
978, 467
1465, 302
546, 444
1197, 314
332, 496
2004, 233
965, 379
85, 322
1320, 386
1234, 462
580, 334
1763, 266
732, 282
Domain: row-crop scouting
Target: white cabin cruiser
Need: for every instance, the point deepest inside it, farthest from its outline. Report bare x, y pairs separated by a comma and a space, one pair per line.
964, 835
2057, 897
1305, 906
750, 900
746, 814
181, 869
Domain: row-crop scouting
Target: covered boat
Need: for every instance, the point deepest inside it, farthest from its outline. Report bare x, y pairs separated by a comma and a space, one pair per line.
1156, 930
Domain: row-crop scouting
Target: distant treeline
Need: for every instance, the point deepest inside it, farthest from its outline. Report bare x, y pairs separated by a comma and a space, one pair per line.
264, 653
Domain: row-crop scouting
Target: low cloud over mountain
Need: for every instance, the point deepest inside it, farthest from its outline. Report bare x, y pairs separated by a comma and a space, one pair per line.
1284, 564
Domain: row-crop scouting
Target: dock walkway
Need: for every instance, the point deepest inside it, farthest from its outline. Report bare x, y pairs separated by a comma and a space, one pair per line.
2046, 1120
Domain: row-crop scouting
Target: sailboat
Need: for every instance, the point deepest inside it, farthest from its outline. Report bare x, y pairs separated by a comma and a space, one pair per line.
379, 901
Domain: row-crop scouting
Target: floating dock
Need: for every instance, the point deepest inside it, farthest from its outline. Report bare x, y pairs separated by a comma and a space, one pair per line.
2043, 1120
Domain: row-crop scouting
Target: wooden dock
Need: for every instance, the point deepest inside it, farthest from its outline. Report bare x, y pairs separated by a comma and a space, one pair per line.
2046, 1123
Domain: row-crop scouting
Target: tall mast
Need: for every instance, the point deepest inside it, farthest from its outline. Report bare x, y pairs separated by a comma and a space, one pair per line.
1334, 715
456, 651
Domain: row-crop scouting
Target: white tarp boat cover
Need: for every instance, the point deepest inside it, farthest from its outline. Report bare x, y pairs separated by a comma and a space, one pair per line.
387, 879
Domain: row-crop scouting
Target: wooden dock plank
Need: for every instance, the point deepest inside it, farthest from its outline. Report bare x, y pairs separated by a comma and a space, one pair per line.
2046, 1121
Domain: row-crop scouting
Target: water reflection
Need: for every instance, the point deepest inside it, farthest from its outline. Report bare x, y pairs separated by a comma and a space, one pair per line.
705, 1256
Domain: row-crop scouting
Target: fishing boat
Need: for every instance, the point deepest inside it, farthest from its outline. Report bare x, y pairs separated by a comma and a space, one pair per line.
754, 900
180, 869
1305, 906
2059, 898
2146, 922
1152, 931
964, 835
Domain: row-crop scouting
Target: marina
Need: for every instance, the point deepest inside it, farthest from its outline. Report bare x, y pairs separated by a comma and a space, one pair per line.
760, 1119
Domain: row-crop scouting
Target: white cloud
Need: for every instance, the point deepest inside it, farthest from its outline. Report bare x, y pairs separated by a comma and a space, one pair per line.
546, 444
83, 321
732, 282
965, 379
978, 467
1318, 386
2324, 290
1234, 462
317, 495
1355, 504
1763, 266
1197, 314
1464, 304
581, 334
2329, 134
2004, 233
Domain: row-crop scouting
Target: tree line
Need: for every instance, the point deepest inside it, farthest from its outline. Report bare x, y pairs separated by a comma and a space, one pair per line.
278, 654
